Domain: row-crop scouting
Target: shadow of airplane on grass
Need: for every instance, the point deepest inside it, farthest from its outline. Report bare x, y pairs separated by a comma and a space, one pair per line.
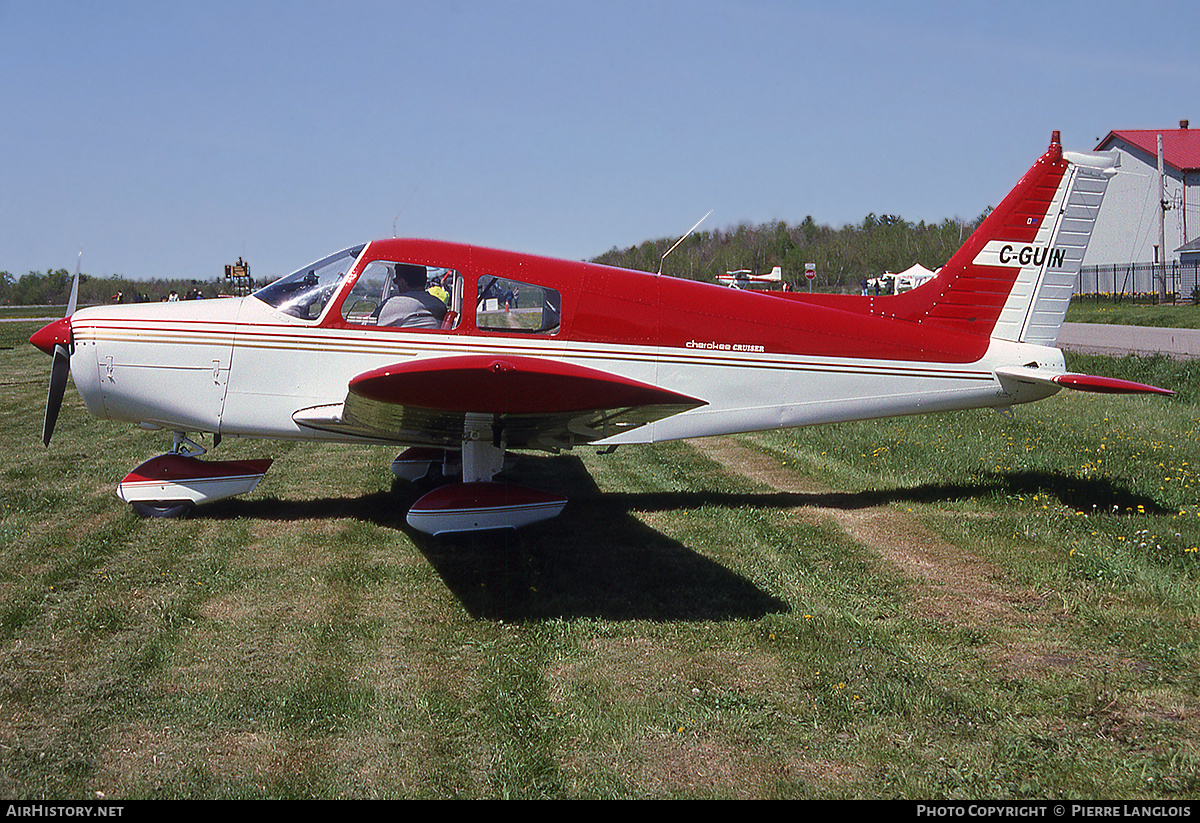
598, 560
595, 560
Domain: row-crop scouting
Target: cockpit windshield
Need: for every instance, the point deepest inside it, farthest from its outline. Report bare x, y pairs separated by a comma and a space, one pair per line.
304, 293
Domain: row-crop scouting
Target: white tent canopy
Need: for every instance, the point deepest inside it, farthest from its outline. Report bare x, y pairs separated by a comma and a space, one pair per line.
910, 278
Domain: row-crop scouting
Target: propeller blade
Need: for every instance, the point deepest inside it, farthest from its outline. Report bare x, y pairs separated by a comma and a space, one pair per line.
74, 299
59, 370
59, 335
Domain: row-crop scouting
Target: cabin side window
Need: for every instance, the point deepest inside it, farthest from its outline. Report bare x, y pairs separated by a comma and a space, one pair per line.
513, 306
404, 295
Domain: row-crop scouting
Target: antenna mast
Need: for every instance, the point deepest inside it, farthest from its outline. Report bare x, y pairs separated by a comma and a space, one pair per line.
680, 240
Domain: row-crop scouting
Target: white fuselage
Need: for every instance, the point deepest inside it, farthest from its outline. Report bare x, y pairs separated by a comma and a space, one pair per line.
241, 368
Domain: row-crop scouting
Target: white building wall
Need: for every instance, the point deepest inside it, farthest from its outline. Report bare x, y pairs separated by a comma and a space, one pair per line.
1127, 229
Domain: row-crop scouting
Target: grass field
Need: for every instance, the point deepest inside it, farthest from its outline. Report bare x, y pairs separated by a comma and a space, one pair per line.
956, 606
1183, 315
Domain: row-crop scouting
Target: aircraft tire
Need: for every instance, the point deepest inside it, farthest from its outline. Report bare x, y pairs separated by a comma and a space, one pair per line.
172, 510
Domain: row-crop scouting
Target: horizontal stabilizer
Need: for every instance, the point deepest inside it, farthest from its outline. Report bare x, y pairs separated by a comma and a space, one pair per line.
1107, 385
1079, 382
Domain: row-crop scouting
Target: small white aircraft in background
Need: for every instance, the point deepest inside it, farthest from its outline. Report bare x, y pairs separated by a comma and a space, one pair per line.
462, 353
745, 278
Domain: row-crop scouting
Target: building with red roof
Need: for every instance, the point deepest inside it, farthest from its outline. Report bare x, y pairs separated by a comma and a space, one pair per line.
1127, 229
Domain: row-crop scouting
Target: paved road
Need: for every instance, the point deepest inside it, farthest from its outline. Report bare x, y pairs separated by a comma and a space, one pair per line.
1098, 338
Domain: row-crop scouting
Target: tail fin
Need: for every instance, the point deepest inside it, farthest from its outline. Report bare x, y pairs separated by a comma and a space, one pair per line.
1023, 261
1013, 278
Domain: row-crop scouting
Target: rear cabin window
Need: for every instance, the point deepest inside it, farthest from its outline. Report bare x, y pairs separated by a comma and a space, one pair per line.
514, 306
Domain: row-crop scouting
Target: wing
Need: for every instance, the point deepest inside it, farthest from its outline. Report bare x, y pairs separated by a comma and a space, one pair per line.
538, 403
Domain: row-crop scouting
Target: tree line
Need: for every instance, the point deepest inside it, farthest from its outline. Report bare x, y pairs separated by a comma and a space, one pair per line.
842, 257
53, 288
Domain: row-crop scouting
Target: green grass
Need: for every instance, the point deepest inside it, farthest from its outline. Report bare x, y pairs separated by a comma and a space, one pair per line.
1182, 315
683, 630
25, 312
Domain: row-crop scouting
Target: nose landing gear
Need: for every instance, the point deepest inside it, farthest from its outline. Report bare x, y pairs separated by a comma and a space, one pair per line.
173, 484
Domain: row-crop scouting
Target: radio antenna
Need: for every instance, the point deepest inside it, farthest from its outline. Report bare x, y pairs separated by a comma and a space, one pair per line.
402, 208
681, 239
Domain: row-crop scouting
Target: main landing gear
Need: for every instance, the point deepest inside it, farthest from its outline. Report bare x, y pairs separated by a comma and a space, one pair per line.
478, 503
173, 484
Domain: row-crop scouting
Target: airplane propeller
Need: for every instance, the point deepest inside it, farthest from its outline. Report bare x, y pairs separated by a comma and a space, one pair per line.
57, 338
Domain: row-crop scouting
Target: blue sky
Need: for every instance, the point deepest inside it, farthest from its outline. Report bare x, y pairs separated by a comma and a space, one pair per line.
168, 138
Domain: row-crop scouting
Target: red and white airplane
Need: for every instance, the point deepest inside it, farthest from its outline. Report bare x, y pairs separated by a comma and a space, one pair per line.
526, 353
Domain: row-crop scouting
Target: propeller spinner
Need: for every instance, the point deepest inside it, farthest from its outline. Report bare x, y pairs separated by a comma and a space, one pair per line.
55, 339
